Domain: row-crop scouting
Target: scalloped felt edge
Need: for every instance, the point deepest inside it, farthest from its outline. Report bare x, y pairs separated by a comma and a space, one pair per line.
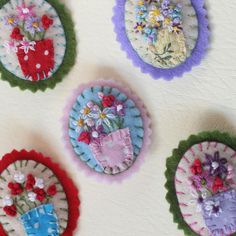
167, 74
147, 131
171, 167
70, 189
68, 61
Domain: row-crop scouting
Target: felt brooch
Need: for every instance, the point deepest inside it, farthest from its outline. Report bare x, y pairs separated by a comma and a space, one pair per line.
38, 45
201, 184
162, 37
107, 129
37, 196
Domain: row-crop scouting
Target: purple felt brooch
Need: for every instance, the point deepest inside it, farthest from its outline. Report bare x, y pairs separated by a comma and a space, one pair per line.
163, 38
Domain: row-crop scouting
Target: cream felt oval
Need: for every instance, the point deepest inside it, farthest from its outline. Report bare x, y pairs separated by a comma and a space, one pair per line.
12, 225
183, 191
9, 58
181, 45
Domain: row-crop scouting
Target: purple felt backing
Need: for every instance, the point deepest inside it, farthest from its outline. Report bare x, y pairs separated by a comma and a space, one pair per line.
168, 74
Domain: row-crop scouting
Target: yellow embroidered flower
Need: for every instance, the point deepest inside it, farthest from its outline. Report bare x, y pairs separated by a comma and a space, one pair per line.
140, 3
155, 13
103, 115
86, 110
167, 21
80, 122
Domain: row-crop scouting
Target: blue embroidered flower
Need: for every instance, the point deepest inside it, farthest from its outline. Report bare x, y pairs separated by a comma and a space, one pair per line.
141, 12
150, 35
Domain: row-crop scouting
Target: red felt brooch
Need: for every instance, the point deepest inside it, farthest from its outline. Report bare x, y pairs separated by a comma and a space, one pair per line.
34, 190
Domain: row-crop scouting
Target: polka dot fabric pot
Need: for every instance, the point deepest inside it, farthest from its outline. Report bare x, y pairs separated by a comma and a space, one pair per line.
38, 43
201, 184
107, 130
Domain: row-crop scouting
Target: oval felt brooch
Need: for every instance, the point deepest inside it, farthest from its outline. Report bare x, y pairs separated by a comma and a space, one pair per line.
37, 196
201, 184
164, 38
38, 43
106, 129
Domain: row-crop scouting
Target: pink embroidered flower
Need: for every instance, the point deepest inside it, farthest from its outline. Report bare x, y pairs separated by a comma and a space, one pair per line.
119, 108
11, 46
27, 45
203, 180
25, 12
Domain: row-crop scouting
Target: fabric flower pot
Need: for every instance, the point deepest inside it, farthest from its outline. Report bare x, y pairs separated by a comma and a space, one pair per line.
36, 59
114, 151
41, 221
219, 213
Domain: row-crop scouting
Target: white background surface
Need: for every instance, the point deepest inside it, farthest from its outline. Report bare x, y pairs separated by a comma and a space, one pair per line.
203, 99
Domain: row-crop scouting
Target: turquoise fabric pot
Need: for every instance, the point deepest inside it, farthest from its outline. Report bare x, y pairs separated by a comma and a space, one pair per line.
41, 221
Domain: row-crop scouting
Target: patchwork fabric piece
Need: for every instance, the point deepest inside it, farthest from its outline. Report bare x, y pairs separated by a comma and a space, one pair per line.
37, 43
107, 130
164, 38
201, 184
37, 197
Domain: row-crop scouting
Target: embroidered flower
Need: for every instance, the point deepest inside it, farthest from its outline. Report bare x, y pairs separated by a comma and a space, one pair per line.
86, 111
19, 178
41, 194
30, 182
196, 168
15, 188
90, 122
104, 116
11, 21
46, 22
218, 184
33, 25
84, 137
230, 174
32, 196
16, 34
25, 12
203, 180
107, 101
139, 27
79, 124
216, 164
27, 45
150, 35
39, 183
7, 201
11, 46
197, 199
141, 12
10, 210
119, 108
213, 208
52, 190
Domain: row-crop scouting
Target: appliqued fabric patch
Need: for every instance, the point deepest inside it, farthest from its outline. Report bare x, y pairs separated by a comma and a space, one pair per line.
108, 129
201, 184
165, 38
37, 43
37, 196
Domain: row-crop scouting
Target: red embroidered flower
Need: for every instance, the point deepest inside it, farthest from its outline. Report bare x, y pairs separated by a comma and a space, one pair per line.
46, 21
41, 194
10, 210
30, 182
52, 190
107, 101
16, 188
84, 137
16, 34
196, 168
218, 184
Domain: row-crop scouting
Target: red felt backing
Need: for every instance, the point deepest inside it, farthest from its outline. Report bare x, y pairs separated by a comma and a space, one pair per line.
70, 189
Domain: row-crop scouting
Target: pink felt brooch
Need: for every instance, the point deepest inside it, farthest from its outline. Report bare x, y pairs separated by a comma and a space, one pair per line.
37, 196
106, 128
